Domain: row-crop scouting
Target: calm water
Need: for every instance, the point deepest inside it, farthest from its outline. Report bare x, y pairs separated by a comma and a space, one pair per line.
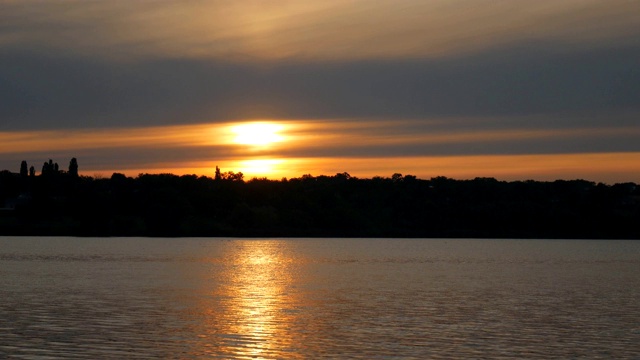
311, 298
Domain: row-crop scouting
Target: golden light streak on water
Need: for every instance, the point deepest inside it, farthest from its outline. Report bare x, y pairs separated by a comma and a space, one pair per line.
196, 298
254, 299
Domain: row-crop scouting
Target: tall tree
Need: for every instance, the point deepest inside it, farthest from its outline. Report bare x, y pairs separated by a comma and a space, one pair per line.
24, 171
73, 167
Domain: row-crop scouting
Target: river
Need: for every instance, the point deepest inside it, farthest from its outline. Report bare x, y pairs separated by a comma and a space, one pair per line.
140, 298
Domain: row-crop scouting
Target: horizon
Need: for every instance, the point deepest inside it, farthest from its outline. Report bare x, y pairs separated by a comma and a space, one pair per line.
249, 177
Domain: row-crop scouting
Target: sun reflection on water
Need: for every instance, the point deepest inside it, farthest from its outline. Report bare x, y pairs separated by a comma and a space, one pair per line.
255, 301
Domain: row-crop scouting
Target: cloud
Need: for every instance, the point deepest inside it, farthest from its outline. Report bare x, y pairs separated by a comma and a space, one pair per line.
94, 64
335, 30
537, 78
133, 147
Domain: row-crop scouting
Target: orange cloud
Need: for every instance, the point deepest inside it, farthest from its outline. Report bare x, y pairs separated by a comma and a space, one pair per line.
327, 147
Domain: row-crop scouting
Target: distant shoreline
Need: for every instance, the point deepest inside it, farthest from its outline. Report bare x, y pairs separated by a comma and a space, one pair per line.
166, 205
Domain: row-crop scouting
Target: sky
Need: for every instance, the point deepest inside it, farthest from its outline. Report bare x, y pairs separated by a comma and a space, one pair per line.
510, 89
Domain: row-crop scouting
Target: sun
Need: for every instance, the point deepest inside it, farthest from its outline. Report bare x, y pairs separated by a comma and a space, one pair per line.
257, 133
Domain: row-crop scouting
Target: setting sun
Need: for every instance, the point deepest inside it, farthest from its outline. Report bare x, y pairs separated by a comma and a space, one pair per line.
257, 133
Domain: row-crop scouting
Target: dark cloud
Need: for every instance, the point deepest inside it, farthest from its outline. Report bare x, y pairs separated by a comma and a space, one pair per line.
51, 92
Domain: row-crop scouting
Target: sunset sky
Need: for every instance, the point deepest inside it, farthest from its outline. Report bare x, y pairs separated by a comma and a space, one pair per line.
511, 89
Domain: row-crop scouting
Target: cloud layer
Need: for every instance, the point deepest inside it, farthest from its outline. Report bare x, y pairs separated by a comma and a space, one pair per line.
53, 92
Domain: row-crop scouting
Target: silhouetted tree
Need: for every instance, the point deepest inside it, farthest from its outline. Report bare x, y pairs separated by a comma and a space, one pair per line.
32, 171
73, 167
230, 175
56, 168
218, 175
23, 169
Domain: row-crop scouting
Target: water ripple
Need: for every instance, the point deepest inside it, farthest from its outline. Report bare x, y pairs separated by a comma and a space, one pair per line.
248, 299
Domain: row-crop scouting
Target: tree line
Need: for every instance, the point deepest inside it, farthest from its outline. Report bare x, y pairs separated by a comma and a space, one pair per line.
48, 168
60, 202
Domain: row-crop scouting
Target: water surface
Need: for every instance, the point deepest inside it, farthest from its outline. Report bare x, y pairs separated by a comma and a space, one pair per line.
312, 298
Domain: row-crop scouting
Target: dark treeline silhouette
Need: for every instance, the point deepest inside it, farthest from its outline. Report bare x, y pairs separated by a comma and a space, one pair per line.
60, 202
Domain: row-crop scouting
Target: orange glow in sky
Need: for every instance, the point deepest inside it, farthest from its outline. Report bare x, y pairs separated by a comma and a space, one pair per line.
257, 133
540, 89
277, 149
